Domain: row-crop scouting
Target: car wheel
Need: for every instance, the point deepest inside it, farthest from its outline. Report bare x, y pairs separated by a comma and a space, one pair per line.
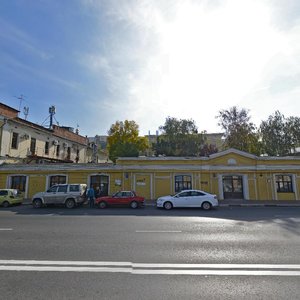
70, 203
206, 206
168, 205
5, 204
102, 204
134, 204
37, 203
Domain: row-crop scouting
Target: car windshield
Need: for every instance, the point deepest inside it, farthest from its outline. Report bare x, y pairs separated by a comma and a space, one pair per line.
117, 194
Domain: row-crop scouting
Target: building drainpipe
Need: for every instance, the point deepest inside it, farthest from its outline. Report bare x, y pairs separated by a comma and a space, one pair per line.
1, 133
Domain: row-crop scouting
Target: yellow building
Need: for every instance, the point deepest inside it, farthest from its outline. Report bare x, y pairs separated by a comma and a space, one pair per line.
231, 174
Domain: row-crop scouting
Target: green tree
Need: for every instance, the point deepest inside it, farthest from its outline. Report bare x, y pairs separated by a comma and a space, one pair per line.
293, 130
240, 133
124, 140
280, 136
208, 149
179, 138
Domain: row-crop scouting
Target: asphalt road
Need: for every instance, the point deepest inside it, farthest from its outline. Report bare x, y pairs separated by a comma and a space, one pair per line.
120, 253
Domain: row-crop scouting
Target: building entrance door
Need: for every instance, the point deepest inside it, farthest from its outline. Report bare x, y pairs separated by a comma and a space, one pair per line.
100, 184
233, 187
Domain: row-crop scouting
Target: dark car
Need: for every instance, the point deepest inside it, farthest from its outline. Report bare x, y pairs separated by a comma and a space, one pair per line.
122, 198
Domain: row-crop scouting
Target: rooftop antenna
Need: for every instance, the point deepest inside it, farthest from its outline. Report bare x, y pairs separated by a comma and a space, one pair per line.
52, 111
26, 111
21, 98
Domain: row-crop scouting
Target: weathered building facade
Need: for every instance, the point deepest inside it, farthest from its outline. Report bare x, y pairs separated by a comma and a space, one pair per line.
22, 141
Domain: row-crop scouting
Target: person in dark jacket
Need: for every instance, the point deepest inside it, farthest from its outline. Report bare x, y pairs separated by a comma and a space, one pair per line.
91, 196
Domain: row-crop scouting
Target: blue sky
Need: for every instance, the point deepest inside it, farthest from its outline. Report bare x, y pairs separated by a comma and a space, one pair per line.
99, 61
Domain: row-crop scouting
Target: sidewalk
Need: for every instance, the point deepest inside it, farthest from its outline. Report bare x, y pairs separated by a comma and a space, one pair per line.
229, 202
234, 202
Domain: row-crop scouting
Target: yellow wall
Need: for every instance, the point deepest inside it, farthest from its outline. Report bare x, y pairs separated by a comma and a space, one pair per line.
263, 188
240, 160
78, 177
115, 179
3, 181
162, 186
153, 181
37, 184
252, 186
285, 196
205, 182
143, 185
297, 192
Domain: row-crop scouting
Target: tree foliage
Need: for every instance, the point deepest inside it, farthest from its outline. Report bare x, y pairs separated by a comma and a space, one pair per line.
280, 136
179, 138
239, 132
293, 130
124, 140
208, 149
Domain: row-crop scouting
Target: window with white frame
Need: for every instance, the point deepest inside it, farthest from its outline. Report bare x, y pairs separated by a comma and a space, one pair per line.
57, 179
183, 182
284, 183
18, 182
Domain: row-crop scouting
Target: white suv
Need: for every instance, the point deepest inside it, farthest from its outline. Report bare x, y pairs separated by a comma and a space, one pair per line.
68, 194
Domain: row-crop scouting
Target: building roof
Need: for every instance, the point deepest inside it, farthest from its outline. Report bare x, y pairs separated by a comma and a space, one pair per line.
59, 131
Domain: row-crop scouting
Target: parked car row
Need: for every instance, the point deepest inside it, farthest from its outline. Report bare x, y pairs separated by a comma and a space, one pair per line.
72, 195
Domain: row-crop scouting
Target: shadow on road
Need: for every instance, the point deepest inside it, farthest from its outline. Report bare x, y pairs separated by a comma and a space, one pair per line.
284, 217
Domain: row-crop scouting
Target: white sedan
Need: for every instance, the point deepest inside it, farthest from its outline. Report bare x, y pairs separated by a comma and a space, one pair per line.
188, 198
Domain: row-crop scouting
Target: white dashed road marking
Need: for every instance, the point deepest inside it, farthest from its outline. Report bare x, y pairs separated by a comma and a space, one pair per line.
158, 231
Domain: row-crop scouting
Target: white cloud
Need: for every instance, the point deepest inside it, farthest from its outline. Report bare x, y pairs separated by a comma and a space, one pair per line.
188, 59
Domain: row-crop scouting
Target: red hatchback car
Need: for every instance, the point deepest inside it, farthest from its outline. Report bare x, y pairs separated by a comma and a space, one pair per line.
122, 198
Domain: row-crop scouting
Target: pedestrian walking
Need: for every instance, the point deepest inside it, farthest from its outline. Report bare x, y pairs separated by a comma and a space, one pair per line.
91, 196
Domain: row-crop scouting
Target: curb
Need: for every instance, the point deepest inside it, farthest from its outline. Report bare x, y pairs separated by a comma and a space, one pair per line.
248, 205
260, 205
230, 204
